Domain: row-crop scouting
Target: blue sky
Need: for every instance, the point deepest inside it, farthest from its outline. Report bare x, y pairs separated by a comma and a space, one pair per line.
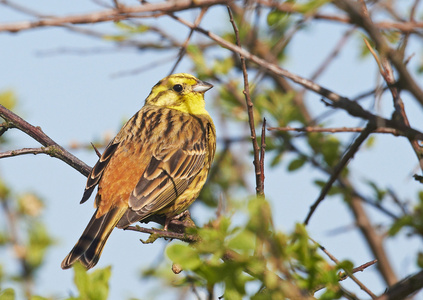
77, 98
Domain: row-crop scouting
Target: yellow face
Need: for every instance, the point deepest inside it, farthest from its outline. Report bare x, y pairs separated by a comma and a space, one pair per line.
180, 91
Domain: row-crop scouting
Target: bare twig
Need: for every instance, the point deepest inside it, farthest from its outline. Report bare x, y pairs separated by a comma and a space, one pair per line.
291, 7
262, 152
331, 56
374, 240
349, 273
42, 150
36, 133
386, 71
333, 130
354, 10
124, 12
256, 149
337, 101
361, 268
183, 49
339, 167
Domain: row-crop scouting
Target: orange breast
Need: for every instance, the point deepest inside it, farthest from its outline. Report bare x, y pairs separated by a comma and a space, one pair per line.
121, 176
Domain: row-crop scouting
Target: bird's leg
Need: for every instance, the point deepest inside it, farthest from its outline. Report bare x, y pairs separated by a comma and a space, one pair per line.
182, 216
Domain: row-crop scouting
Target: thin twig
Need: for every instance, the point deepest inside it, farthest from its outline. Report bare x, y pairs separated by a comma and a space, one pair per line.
37, 134
337, 101
349, 273
262, 152
406, 81
42, 150
339, 167
386, 71
333, 130
256, 149
183, 49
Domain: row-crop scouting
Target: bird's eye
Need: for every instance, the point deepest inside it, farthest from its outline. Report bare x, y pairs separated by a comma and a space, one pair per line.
177, 88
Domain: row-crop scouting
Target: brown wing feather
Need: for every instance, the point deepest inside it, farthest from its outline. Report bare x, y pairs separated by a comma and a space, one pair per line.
98, 169
147, 167
168, 180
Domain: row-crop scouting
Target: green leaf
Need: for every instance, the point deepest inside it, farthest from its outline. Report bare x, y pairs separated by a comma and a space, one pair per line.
370, 141
39, 298
38, 243
399, 224
379, 193
8, 99
245, 241
311, 6
7, 294
296, 164
132, 28
184, 255
4, 190
92, 286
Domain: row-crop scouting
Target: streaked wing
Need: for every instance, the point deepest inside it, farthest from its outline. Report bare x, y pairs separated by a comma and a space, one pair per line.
167, 177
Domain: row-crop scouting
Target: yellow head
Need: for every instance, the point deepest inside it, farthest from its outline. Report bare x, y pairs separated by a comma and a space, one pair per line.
180, 91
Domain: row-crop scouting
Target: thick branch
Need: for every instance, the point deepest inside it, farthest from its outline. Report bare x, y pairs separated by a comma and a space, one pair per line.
37, 134
121, 13
292, 7
353, 108
404, 288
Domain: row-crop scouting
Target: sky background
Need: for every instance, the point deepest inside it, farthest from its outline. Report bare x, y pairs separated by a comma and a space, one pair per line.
78, 97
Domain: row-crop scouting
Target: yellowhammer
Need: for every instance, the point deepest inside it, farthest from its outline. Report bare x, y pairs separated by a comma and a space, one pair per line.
156, 165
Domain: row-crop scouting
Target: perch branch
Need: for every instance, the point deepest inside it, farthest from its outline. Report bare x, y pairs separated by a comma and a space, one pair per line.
53, 149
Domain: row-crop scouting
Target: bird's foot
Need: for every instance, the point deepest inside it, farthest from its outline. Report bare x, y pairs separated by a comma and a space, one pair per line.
177, 222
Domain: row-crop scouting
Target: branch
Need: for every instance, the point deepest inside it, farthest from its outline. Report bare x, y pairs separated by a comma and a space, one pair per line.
42, 150
121, 13
167, 234
339, 167
53, 149
262, 152
348, 273
337, 101
387, 73
183, 49
256, 149
333, 130
406, 27
360, 19
404, 288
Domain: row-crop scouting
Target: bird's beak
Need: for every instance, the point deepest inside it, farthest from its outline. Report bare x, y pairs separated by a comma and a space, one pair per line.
201, 86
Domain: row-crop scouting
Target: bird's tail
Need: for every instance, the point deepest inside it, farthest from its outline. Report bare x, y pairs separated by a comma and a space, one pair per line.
90, 245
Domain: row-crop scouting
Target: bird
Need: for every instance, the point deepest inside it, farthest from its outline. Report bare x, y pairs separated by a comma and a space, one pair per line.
156, 165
